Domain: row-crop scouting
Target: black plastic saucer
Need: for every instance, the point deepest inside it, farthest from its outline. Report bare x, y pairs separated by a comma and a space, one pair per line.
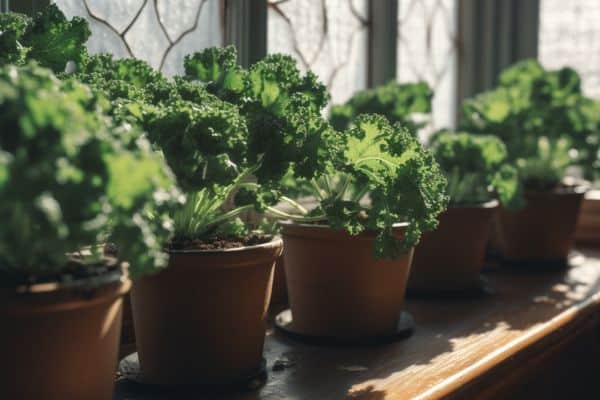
284, 323
129, 370
479, 289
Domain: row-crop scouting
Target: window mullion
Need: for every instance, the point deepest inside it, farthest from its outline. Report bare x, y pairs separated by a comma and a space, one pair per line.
382, 41
28, 7
246, 28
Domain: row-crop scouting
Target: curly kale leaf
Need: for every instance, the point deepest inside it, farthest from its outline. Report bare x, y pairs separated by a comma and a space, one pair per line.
402, 180
54, 40
48, 38
12, 28
397, 102
281, 108
276, 78
476, 168
217, 68
203, 144
259, 196
70, 179
122, 80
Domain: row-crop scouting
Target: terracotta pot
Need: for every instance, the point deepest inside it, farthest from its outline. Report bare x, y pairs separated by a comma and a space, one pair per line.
127, 345
451, 257
60, 342
203, 318
588, 225
279, 296
543, 232
337, 288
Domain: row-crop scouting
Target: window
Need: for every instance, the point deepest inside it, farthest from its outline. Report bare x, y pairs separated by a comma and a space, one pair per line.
570, 35
427, 51
160, 32
330, 37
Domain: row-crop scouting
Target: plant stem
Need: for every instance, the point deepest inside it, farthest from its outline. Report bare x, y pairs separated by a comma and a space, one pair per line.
343, 187
298, 218
363, 160
359, 194
230, 214
294, 204
317, 189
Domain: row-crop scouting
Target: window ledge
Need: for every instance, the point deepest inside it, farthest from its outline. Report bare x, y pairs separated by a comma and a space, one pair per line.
485, 348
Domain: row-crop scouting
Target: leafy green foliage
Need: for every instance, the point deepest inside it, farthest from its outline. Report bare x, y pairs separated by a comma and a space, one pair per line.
70, 178
126, 78
397, 102
385, 177
476, 169
533, 106
228, 134
218, 68
204, 144
48, 38
281, 108
543, 171
12, 28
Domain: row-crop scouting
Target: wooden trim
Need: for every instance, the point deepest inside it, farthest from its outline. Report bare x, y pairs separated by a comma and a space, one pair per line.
383, 33
492, 35
246, 28
28, 7
555, 330
588, 226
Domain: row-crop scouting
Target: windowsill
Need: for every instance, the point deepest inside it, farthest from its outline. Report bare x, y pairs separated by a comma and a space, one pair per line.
460, 348
588, 226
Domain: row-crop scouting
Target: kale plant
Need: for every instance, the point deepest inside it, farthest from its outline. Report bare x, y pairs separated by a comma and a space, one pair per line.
537, 113
228, 134
405, 103
282, 109
49, 38
71, 179
476, 169
380, 176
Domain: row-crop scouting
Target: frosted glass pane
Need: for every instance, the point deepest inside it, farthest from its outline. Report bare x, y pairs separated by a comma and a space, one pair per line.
327, 36
570, 36
161, 32
427, 51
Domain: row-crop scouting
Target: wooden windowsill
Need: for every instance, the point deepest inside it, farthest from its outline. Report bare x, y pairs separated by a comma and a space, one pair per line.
460, 347
588, 226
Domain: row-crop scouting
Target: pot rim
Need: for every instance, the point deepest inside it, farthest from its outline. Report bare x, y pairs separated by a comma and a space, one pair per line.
304, 225
563, 190
277, 241
493, 203
108, 278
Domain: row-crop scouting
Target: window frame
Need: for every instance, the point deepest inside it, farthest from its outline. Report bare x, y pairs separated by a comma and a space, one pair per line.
245, 26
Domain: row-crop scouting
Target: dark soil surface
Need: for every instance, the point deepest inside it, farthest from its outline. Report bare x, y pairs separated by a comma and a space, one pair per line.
74, 270
218, 242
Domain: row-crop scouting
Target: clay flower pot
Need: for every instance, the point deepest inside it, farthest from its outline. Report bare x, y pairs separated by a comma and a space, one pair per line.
337, 288
279, 296
543, 232
127, 345
60, 342
202, 319
588, 225
451, 257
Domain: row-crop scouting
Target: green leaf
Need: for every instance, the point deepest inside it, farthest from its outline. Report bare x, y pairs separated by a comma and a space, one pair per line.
53, 40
